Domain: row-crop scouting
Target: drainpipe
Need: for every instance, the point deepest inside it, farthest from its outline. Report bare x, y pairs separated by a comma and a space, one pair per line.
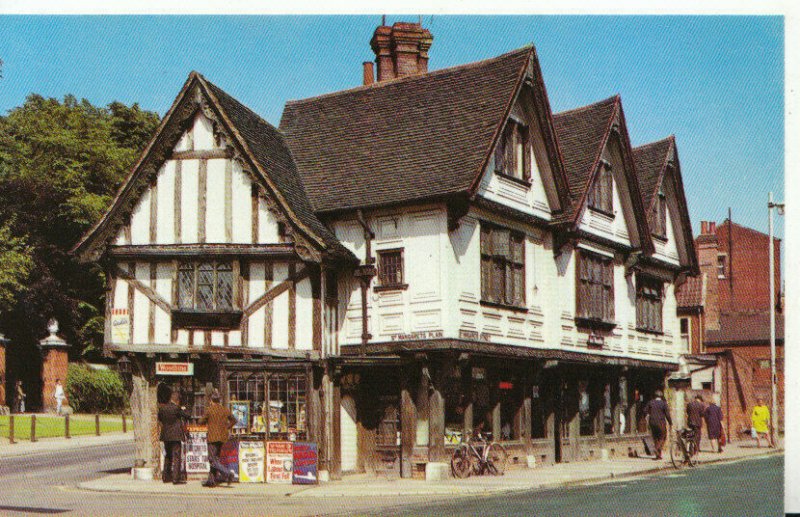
365, 272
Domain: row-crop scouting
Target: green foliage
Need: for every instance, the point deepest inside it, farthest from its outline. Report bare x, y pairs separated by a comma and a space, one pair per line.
94, 391
60, 165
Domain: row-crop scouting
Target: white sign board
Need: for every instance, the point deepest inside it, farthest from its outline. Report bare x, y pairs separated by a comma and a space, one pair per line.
251, 462
197, 451
279, 462
174, 368
120, 326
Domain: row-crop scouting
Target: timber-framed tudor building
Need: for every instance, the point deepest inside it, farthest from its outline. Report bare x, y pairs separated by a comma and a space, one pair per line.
400, 262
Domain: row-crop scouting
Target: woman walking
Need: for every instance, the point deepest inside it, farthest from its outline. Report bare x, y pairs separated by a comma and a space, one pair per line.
713, 418
760, 419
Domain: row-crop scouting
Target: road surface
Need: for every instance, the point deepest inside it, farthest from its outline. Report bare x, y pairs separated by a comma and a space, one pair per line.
46, 483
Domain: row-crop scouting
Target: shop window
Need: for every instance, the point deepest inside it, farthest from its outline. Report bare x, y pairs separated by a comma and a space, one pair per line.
538, 414
390, 269
287, 404
510, 398
455, 404
273, 404
205, 286
595, 296
502, 266
585, 410
649, 304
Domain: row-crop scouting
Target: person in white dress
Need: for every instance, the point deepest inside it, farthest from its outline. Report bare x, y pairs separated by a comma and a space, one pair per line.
59, 396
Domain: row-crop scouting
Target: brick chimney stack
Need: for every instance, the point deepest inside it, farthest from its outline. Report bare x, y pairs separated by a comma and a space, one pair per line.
369, 73
401, 50
707, 247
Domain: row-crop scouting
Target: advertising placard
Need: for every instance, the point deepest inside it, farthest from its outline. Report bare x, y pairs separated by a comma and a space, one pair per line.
279, 462
241, 412
120, 325
251, 462
197, 450
305, 463
229, 456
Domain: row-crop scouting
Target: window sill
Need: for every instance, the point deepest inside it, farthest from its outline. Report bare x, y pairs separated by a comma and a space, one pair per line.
196, 319
384, 288
661, 238
650, 331
519, 181
497, 305
594, 324
600, 211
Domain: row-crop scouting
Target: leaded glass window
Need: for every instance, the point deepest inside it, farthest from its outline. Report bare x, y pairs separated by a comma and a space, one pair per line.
205, 286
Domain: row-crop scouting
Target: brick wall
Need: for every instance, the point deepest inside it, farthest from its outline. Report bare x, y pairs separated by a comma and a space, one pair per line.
54, 366
3, 379
744, 378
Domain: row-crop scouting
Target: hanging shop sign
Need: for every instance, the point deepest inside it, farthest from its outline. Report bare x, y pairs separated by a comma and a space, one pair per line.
197, 450
279, 462
304, 459
120, 325
174, 368
251, 462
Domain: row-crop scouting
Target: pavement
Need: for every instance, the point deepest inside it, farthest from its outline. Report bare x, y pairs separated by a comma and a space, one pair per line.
41, 445
370, 486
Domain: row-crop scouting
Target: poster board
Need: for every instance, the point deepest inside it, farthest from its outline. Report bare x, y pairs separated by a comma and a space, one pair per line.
229, 456
251, 462
279, 462
120, 325
304, 459
241, 412
197, 450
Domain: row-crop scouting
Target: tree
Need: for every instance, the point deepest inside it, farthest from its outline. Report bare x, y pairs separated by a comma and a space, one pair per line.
60, 166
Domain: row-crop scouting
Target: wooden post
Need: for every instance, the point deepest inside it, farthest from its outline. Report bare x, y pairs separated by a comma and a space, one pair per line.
66, 427
527, 406
466, 379
33, 428
436, 450
97, 424
408, 424
124, 424
11, 429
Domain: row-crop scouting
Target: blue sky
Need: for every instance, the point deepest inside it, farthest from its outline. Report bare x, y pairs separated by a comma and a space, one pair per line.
716, 82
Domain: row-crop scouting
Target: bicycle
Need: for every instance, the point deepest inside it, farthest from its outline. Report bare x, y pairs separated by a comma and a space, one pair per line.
683, 448
488, 457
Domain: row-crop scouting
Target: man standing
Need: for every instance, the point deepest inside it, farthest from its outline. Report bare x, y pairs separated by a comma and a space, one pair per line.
20, 397
657, 413
171, 416
220, 421
59, 395
694, 416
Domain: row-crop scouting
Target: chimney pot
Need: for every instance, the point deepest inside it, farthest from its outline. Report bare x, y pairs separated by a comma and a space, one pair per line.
369, 73
713, 227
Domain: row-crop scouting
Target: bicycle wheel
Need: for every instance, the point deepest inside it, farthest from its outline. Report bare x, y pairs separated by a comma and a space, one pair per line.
496, 459
676, 454
691, 451
460, 463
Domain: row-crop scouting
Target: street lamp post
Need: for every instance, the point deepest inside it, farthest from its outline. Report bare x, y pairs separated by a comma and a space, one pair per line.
774, 376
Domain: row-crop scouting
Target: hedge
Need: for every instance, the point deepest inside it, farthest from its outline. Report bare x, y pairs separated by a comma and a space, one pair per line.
95, 391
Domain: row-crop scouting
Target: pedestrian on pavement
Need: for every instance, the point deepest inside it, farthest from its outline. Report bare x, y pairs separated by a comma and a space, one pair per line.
59, 395
172, 417
694, 416
658, 417
20, 396
713, 417
760, 419
220, 421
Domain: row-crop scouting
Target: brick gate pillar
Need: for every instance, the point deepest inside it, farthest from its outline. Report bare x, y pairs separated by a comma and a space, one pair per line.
54, 365
3, 397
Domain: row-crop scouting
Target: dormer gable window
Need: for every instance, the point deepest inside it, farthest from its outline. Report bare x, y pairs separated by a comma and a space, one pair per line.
512, 156
660, 220
601, 191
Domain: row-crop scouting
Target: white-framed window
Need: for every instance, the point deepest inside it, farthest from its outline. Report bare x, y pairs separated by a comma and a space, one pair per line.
512, 156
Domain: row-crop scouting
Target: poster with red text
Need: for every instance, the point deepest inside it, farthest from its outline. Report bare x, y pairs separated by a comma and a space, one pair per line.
279, 462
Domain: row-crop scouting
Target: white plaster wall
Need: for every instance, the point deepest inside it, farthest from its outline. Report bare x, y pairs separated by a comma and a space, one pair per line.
242, 206
141, 305
304, 316
215, 201
189, 201
165, 204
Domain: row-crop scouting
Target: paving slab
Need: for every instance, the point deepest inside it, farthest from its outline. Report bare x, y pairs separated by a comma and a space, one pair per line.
369, 486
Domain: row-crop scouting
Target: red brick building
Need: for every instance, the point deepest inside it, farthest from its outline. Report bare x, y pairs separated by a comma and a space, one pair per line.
725, 312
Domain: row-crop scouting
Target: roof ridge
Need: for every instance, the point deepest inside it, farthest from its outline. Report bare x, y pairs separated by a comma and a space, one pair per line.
613, 98
379, 84
669, 138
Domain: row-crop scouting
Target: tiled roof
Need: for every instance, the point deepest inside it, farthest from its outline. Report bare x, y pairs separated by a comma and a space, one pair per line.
691, 293
744, 328
270, 150
582, 132
402, 140
650, 160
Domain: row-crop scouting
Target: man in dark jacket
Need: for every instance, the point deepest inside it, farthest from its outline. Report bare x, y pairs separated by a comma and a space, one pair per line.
220, 421
171, 417
694, 417
657, 413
